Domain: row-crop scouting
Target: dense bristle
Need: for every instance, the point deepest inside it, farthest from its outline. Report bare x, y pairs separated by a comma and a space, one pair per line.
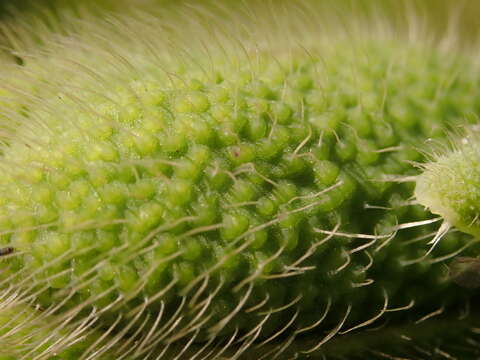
172, 192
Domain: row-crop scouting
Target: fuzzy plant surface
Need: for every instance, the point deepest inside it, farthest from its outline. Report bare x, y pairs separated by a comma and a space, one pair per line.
449, 185
205, 184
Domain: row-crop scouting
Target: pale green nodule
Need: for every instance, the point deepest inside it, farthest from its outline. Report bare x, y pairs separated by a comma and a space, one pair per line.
199, 197
449, 185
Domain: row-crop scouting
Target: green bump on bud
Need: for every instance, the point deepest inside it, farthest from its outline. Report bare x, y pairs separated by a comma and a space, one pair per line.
127, 280
143, 189
241, 154
145, 143
234, 224
266, 207
326, 172
168, 244
180, 191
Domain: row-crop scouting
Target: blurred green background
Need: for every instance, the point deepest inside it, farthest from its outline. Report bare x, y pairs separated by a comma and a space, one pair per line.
440, 17
437, 13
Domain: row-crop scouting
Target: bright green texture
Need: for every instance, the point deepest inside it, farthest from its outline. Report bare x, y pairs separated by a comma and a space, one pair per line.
211, 186
450, 184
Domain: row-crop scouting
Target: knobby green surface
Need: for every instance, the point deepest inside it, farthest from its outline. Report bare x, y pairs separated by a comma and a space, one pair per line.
203, 182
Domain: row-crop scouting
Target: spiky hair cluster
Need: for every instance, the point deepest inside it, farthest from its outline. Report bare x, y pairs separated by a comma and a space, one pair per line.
179, 186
